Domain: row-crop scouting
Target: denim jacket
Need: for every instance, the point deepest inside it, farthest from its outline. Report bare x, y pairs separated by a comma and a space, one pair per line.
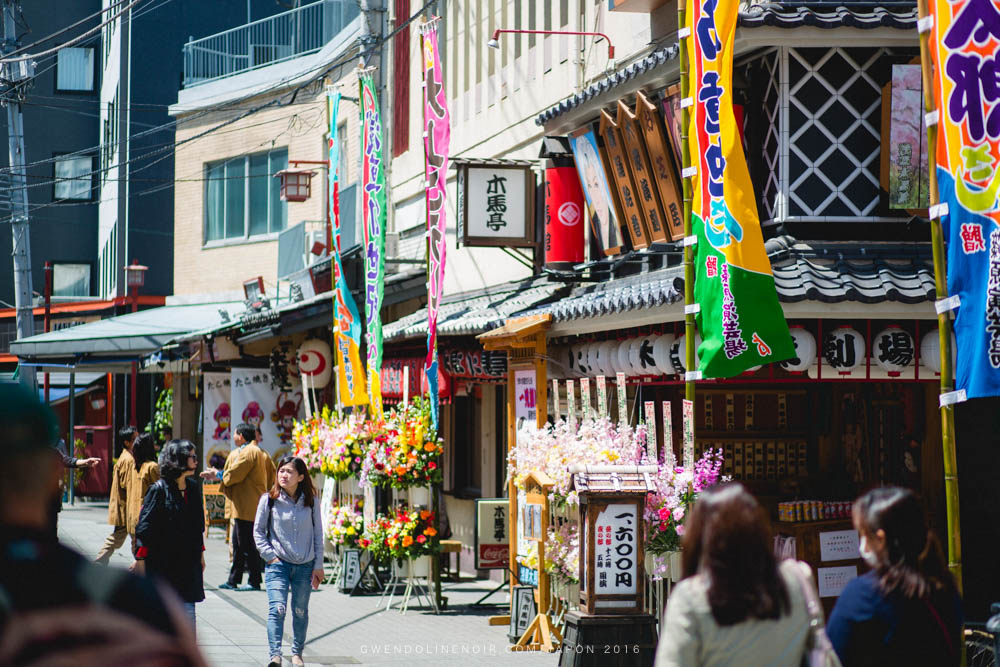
296, 531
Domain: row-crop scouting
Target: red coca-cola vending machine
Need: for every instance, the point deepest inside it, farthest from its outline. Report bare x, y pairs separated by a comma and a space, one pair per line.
565, 215
97, 441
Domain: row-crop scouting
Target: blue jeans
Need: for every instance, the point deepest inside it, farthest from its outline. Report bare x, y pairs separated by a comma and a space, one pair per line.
278, 579
189, 612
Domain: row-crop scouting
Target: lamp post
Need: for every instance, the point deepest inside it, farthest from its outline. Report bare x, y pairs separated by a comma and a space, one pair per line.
48, 320
494, 43
135, 277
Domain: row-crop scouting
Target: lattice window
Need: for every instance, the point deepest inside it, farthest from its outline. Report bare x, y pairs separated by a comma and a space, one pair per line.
834, 98
762, 132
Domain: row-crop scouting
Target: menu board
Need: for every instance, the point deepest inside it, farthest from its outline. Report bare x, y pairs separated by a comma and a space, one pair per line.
838, 545
833, 580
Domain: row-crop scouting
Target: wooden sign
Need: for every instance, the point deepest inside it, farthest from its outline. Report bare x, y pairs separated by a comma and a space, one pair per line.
622, 176
622, 399
350, 570
602, 397
555, 399
668, 435
585, 409
667, 184
642, 173
650, 409
688, 414
570, 402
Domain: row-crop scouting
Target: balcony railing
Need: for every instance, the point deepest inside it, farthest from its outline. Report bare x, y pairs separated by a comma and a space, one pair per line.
272, 40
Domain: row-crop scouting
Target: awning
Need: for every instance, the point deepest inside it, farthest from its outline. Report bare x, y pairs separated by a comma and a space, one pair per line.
108, 345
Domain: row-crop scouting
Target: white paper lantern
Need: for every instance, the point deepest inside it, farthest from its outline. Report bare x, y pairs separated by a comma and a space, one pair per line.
635, 356
623, 365
589, 365
645, 362
805, 351
930, 352
893, 349
315, 362
609, 358
844, 349
570, 359
661, 353
678, 352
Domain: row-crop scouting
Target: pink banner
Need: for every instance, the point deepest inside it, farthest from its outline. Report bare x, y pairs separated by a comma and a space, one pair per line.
437, 136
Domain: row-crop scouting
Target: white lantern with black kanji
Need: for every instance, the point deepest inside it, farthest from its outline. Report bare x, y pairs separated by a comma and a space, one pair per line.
641, 356
805, 351
893, 350
678, 352
612, 535
844, 349
661, 354
930, 352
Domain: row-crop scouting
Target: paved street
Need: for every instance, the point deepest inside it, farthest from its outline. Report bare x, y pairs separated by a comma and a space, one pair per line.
342, 630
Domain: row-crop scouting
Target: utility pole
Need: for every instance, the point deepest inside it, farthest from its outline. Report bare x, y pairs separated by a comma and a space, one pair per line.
15, 76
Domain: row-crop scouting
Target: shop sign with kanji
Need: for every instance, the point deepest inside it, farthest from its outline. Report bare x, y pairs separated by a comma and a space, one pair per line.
496, 206
615, 550
492, 538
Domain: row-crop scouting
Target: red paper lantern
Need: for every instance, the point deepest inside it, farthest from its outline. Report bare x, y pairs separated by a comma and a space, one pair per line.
565, 217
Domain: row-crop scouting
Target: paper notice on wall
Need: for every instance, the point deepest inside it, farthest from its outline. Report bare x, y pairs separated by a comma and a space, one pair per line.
833, 580
838, 545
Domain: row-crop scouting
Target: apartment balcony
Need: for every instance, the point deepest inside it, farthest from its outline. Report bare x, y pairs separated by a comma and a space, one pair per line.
278, 38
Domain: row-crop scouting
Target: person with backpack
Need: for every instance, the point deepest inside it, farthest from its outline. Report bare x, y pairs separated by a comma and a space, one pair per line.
906, 610
288, 532
57, 607
170, 532
737, 605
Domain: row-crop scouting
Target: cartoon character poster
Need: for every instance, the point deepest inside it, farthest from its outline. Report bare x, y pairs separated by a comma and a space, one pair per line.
255, 402
217, 417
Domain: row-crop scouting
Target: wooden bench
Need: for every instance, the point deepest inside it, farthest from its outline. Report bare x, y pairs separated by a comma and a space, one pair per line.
452, 547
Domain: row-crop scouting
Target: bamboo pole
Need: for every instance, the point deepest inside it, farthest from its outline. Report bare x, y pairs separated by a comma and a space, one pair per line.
690, 362
944, 318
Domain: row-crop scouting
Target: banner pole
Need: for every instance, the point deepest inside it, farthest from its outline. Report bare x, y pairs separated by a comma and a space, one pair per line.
690, 362
944, 318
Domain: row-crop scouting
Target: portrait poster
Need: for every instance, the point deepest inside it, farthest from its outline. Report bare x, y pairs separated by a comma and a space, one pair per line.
604, 219
256, 402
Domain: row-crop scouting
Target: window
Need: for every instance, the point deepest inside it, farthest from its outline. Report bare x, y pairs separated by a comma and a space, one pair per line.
73, 177
242, 197
75, 69
71, 280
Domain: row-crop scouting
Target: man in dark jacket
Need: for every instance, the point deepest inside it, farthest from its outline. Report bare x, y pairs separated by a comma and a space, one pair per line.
52, 601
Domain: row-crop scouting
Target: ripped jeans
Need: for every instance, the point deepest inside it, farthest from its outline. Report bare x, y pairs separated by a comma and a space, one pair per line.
278, 579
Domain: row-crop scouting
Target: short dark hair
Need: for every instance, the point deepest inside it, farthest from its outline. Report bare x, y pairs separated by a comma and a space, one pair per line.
174, 458
127, 433
142, 449
727, 536
247, 431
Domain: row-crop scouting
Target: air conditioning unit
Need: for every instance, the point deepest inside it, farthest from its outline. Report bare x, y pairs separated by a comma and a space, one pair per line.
315, 241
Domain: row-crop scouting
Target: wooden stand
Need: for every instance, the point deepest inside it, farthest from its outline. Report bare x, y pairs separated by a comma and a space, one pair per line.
539, 635
608, 641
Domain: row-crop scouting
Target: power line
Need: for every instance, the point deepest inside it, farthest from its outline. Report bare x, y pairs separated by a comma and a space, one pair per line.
22, 49
73, 41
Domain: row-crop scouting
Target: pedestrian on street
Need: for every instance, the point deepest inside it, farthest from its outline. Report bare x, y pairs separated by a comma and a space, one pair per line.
55, 605
247, 475
70, 462
288, 532
905, 610
147, 472
171, 528
123, 488
736, 605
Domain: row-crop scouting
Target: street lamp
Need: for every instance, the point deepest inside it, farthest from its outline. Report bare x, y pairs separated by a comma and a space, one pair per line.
135, 277
494, 43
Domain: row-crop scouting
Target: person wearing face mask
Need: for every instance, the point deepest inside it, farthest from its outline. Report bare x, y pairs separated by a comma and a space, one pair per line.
906, 610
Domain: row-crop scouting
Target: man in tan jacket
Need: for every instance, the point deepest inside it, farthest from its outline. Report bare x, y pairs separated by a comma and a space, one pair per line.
124, 486
248, 474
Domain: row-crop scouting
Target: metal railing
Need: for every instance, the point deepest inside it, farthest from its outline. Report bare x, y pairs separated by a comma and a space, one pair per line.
281, 37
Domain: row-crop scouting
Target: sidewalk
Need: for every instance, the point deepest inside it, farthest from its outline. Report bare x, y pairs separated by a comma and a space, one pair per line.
342, 630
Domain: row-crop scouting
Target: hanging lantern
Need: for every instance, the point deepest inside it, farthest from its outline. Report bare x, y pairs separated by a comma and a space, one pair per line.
623, 365
296, 184
641, 356
844, 349
893, 350
930, 352
609, 358
678, 352
315, 362
593, 365
805, 351
661, 354
578, 353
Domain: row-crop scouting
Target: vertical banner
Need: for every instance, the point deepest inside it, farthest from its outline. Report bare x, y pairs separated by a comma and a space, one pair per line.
373, 216
216, 416
346, 322
668, 435
622, 399
602, 396
740, 320
437, 137
964, 42
650, 410
570, 402
585, 409
555, 399
688, 408
525, 395
257, 402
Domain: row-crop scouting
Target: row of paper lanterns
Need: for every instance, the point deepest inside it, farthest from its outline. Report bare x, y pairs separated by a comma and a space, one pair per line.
844, 350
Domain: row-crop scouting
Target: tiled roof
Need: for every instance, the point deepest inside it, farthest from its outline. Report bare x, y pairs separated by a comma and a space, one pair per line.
645, 290
473, 313
754, 16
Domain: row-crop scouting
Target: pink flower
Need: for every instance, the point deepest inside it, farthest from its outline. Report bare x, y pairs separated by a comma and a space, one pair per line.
665, 514
680, 529
679, 514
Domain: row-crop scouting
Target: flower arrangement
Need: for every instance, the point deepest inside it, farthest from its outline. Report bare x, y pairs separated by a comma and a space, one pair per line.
406, 533
345, 524
553, 449
332, 446
677, 489
306, 439
562, 552
406, 451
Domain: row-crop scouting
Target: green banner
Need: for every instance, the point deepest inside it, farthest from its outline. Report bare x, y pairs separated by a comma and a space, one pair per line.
373, 216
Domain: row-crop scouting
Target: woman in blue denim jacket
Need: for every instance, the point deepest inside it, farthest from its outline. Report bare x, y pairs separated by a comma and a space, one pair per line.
288, 532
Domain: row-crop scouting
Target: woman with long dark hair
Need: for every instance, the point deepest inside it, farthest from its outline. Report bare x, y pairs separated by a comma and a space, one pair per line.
170, 533
288, 532
736, 604
906, 609
147, 470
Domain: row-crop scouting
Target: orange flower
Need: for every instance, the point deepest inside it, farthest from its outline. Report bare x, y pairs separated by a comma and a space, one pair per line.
407, 540
424, 515
401, 470
430, 531
430, 447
